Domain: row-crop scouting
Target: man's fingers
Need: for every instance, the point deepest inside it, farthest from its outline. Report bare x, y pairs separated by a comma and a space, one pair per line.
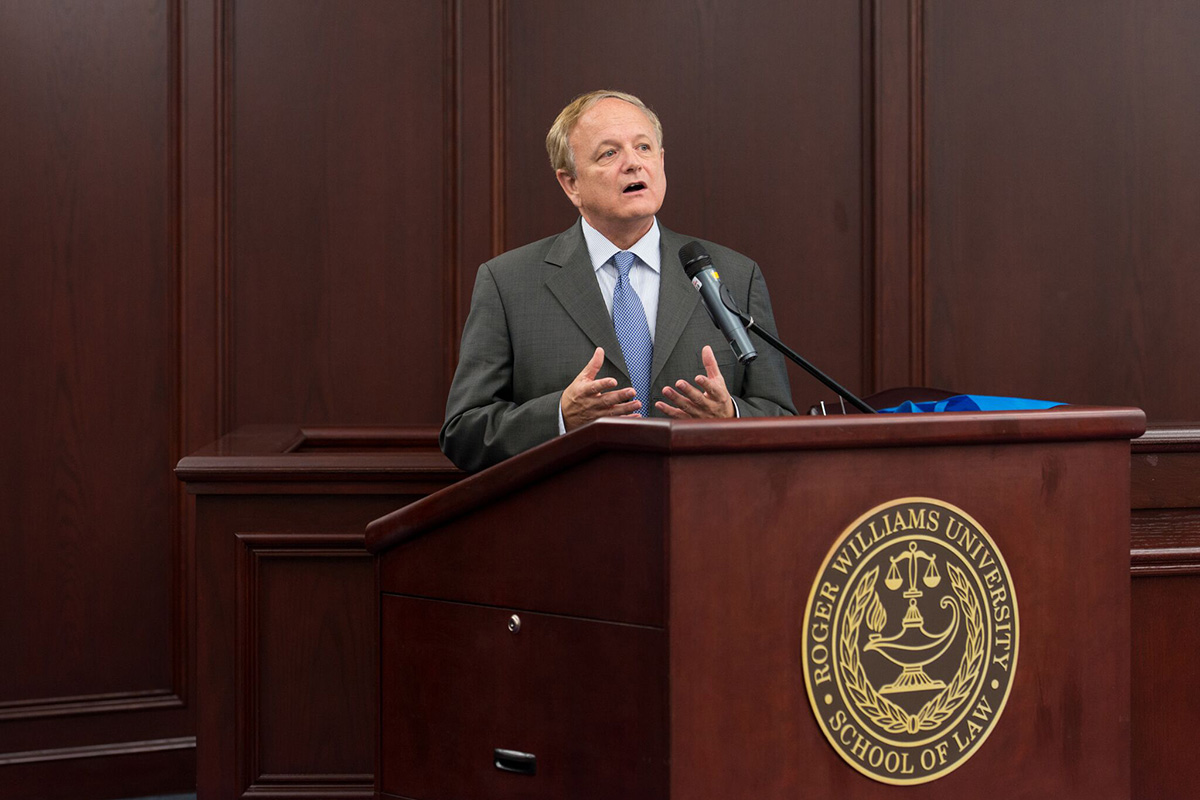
710, 362
629, 409
692, 402
595, 388
676, 398
608, 399
713, 387
609, 409
593, 366
622, 398
601, 398
672, 411
685, 389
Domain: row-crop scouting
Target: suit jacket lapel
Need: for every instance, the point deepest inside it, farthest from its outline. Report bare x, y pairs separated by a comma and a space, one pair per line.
576, 288
677, 299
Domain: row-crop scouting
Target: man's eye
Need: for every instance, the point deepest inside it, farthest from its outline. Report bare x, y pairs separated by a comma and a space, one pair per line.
608, 153
645, 147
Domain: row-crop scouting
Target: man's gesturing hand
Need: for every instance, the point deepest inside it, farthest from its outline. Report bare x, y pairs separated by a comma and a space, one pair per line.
587, 399
710, 400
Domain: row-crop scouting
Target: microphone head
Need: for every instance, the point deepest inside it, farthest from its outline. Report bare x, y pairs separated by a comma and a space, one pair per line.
694, 258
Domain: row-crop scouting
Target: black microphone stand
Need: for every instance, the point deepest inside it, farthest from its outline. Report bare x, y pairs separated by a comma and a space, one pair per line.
754, 327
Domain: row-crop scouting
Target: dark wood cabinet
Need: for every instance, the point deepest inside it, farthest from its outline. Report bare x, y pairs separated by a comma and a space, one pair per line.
287, 624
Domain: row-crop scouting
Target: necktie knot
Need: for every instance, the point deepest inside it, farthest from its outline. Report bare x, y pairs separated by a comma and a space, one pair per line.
624, 262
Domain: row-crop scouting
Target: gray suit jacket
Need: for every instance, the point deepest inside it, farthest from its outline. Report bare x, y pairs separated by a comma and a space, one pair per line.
537, 316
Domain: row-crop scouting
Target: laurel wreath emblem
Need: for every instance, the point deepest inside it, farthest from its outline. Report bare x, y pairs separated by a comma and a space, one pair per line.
880, 710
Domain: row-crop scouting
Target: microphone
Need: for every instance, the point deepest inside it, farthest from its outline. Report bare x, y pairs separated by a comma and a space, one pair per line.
717, 299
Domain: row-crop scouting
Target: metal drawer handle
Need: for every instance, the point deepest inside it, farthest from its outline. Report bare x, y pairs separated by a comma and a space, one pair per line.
515, 761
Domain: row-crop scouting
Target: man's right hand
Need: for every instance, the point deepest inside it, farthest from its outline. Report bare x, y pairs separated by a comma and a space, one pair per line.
587, 399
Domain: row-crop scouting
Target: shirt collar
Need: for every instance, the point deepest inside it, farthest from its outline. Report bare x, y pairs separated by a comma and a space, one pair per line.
601, 250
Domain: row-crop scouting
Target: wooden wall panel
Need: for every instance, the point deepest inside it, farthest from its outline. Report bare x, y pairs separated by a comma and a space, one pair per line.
308, 608
1165, 534
93, 576
1163, 183
220, 212
763, 112
1164, 697
338, 211
287, 652
1062, 190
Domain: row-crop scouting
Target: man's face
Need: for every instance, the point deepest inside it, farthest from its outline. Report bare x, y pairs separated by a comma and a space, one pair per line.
619, 179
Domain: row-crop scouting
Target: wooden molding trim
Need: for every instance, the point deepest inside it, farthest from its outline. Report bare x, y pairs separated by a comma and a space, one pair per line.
289, 787
89, 704
98, 750
1152, 562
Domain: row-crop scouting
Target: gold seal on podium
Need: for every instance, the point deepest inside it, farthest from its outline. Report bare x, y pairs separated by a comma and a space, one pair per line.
910, 640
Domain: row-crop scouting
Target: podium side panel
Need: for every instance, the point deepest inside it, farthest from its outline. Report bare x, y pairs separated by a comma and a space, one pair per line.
586, 542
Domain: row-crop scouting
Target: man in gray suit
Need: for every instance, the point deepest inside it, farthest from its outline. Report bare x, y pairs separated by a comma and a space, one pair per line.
540, 355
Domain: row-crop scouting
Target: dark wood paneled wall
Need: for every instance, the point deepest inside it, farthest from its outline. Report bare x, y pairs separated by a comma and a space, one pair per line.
222, 212
94, 577
1062, 193
338, 117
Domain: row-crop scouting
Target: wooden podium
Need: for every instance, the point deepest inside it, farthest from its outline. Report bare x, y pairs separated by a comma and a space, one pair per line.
621, 612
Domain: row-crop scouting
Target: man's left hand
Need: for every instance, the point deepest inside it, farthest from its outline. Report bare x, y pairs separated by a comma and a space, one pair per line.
710, 401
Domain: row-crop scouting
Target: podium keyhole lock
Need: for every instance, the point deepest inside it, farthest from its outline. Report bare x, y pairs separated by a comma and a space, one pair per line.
514, 624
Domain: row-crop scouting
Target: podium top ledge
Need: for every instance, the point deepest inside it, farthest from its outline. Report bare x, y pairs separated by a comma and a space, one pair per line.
670, 438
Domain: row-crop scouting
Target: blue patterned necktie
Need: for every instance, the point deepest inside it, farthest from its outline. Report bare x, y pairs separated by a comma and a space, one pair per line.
629, 321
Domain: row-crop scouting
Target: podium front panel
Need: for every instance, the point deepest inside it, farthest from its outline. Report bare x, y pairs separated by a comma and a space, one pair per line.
1058, 513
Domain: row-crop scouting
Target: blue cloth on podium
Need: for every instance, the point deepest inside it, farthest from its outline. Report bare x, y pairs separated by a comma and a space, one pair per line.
972, 402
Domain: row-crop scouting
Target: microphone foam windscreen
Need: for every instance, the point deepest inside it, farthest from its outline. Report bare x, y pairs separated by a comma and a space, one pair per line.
694, 258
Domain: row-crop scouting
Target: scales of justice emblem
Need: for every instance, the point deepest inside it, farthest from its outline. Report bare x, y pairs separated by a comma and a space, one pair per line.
913, 647
910, 640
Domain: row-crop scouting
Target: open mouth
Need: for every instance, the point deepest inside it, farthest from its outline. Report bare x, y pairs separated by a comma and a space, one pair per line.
634, 187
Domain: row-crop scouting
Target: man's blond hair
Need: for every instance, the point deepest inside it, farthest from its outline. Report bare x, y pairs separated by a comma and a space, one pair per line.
558, 140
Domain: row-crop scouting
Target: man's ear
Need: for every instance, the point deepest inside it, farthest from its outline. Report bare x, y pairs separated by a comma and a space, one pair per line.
568, 183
